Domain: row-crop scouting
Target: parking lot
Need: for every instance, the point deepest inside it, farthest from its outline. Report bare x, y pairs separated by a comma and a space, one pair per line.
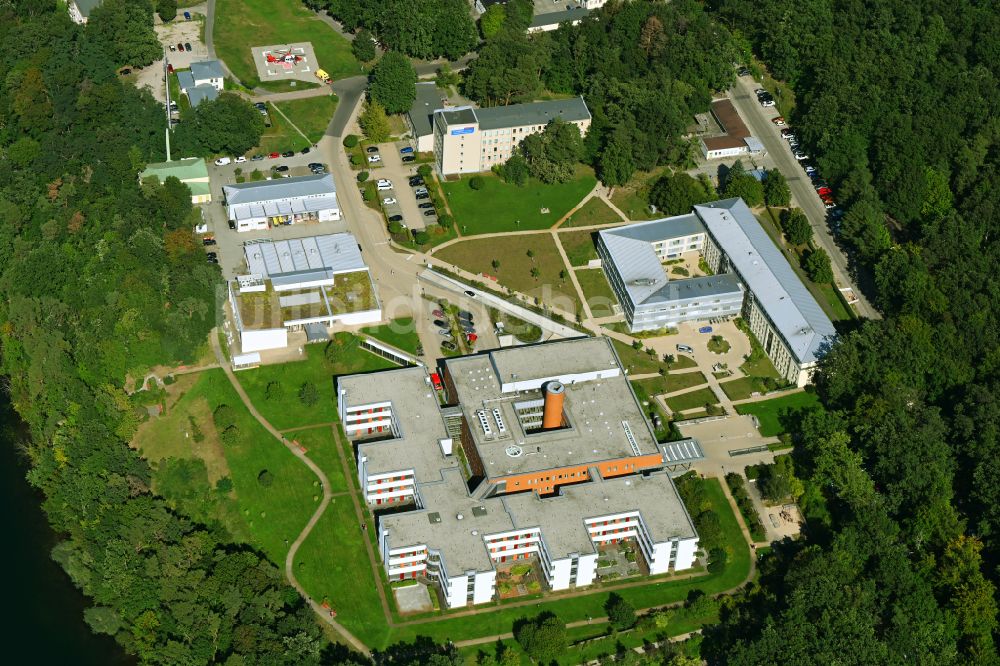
230, 243
395, 170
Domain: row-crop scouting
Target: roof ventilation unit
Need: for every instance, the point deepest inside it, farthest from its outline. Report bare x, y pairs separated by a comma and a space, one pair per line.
484, 422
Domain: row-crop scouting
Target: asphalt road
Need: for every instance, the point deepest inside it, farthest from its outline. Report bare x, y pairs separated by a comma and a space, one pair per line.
758, 119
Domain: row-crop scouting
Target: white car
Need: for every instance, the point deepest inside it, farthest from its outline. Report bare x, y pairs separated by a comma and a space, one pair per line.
222, 161
799, 155
372, 159
384, 184
240, 159
388, 201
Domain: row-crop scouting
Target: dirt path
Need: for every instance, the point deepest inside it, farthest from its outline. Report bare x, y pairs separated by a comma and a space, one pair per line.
327, 496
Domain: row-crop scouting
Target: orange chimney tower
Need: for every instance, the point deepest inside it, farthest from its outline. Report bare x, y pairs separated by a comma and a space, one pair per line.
555, 392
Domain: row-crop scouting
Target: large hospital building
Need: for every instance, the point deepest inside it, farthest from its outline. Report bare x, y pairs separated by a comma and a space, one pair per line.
750, 279
537, 453
470, 140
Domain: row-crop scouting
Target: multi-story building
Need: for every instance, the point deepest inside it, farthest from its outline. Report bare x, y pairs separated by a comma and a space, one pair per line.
260, 205
751, 279
536, 452
470, 140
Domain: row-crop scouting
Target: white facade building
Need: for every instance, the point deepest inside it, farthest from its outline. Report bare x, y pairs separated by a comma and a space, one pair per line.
471, 140
282, 201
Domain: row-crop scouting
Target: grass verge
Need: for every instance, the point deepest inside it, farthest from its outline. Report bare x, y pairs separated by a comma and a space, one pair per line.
769, 413
311, 115
592, 213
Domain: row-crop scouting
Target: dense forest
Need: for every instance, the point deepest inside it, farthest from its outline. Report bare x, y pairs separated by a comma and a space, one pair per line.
101, 278
644, 69
899, 103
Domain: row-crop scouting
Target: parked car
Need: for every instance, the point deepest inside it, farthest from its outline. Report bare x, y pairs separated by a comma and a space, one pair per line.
173, 48
187, 16
415, 181
787, 132
282, 168
430, 213
180, 46
274, 156
211, 255
440, 323
420, 197
799, 155
685, 349
779, 121
315, 165
372, 149
445, 334
187, 46
257, 158
743, 71
426, 204
470, 293
465, 314
208, 241
318, 170
388, 201
288, 153
420, 190
384, 184
468, 330
408, 158
824, 191
223, 161
240, 160
830, 204
260, 105
438, 313
232, 223
767, 102
170, 68
810, 169
395, 218
450, 346
213, 260
374, 159
407, 150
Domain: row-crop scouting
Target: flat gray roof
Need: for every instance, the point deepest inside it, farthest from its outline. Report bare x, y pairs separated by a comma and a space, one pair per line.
418, 418
203, 93
574, 14
646, 281
185, 80
561, 517
459, 115
279, 188
427, 101
596, 409
791, 308
460, 541
328, 254
207, 69
532, 113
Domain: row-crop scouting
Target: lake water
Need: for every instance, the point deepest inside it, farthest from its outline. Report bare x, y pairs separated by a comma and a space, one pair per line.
43, 609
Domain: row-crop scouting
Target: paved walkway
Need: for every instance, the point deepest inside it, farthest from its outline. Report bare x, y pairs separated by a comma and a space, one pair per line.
327, 496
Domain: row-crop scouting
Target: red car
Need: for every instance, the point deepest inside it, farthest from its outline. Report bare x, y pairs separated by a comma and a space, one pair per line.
274, 156
824, 191
436, 381
438, 313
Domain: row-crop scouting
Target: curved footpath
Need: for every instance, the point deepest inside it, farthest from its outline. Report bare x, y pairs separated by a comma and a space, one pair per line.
327, 496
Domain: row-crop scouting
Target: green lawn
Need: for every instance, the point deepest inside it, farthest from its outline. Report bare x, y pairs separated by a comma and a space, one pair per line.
738, 389
322, 449
578, 246
597, 291
636, 361
592, 213
499, 207
682, 362
650, 407
286, 410
242, 24
268, 516
477, 256
400, 333
333, 565
692, 400
838, 308
311, 115
277, 138
768, 412
672, 382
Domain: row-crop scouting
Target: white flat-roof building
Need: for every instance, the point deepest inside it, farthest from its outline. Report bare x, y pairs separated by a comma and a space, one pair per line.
282, 201
297, 283
470, 140
751, 279
594, 469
